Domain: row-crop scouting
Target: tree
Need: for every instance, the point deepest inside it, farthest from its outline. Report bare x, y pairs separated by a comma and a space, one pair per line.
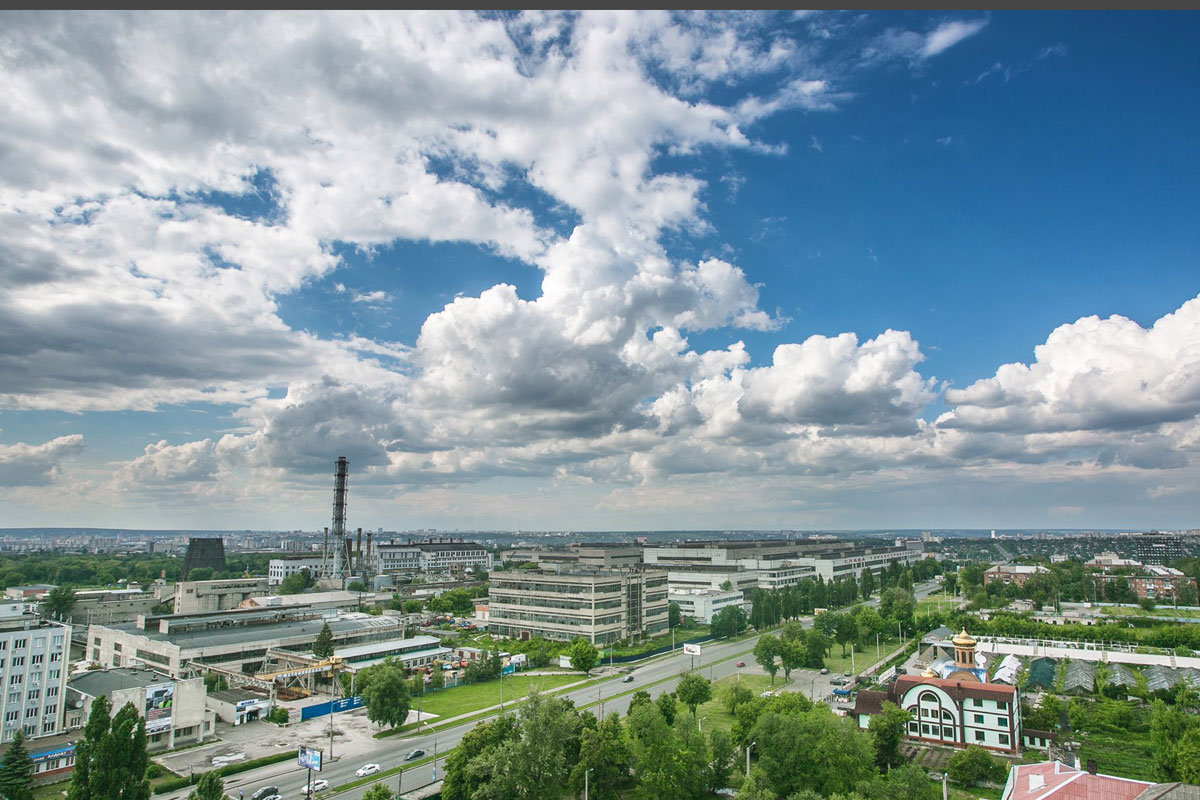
386, 695
724, 755
437, 680
887, 732
93, 737
295, 583
469, 766
791, 656
59, 602
209, 787
117, 769
734, 694
412, 606
845, 631
639, 697
200, 574
356, 586
605, 754
898, 604
836, 754
765, 650
323, 646
976, 765
667, 707
693, 691
866, 583
583, 654
729, 621
949, 582
378, 792
534, 765
674, 615
661, 773
16, 774
815, 648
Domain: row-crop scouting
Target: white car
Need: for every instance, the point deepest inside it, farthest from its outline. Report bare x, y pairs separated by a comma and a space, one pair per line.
317, 786
367, 769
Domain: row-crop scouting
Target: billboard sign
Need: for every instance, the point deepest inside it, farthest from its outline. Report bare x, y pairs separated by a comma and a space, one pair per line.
309, 757
691, 649
160, 699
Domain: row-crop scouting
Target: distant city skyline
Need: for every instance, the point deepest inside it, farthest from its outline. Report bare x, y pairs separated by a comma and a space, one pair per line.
652, 270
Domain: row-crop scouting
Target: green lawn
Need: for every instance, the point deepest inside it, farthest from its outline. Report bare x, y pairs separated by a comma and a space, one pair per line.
931, 603
862, 658
474, 696
714, 713
681, 634
1130, 755
1159, 611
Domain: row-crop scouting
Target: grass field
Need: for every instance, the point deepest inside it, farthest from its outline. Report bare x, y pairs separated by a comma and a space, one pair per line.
1159, 611
1130, 755
681, 634
474, 696
931, 603
714, 713
862, 658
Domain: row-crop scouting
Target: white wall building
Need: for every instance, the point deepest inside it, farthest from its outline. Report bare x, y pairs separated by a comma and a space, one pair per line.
174, 710
703, 604
280, 568
33, 676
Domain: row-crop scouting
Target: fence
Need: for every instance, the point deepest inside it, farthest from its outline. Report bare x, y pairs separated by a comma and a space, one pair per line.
332, 707
664, 649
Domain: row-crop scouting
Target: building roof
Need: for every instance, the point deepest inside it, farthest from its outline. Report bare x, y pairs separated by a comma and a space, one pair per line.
99, 682
869, 701
302, 599
249, 634
958, 690
1042, 672
939, 634
1170, 791
235, 695
358, 651
1017, 569
1053, 780
964, 639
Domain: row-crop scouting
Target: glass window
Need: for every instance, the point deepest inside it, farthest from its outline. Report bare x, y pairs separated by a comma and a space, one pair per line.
1004, 738
979, 736
979, 719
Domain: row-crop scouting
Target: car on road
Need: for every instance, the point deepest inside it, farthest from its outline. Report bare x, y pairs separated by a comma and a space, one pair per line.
846, 674
274, 797
824, 670
411, 754
318, 785
367, 769
741, 664
265, 792
839, 681
627, 679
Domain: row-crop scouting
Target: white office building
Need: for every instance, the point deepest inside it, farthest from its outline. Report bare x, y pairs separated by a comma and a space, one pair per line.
703, 604
33, 671
280, 568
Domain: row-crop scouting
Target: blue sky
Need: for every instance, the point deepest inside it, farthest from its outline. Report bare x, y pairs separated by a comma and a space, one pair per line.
546, 270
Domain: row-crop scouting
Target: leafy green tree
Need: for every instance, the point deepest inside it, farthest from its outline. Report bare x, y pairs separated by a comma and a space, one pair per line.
583, 654
386, 696
898, 604
535, 764
607, 754
323, 646
667, 707
1188, 756
356, 586
209, 787
792, 655
724, 758
756, 787
437, 680
765, 650
470, 766
16, 773
908, 782
845, 630
815, 648
118, 765
837, 756
59, 602
734, 694
660, 771
887, 732
866, 583
976, 765
639, 697
412, 606
378, 792
85, 748
200, 574
295, 583
728, 622
693, 691
674, 615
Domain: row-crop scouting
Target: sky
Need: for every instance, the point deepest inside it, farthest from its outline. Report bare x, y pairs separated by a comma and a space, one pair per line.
600, 271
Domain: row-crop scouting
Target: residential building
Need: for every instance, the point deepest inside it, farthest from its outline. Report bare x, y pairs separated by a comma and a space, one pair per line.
703, 604
1154, 582
33, 672
1013, 573
236, 640
196, 597
174, 710
280, 568
1157, 548
603, 606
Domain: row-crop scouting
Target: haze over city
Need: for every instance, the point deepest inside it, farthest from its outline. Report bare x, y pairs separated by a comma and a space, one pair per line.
602, 271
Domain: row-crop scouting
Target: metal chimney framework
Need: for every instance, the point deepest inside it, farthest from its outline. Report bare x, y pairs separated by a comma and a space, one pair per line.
340, 556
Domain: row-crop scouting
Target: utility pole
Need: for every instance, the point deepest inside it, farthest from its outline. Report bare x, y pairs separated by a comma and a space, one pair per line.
585, 782
876, 646
748, 757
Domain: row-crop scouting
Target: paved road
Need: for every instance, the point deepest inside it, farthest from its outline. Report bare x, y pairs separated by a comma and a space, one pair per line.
715, 662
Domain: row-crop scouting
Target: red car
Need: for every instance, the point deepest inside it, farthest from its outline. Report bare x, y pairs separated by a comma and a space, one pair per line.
741, 663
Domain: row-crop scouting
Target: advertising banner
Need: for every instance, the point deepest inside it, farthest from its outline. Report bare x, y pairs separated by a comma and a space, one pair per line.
691, 649
309, 757
159, 701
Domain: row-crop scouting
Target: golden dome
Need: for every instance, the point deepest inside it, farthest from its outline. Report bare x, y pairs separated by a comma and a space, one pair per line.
929, 673
964, 639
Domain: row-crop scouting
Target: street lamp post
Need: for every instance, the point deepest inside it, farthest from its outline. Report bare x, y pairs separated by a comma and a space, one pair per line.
585, 782
876, 646
748, 757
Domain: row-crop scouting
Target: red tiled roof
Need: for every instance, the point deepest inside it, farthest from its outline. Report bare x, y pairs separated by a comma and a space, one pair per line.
958, 690
869, 701
1053, 780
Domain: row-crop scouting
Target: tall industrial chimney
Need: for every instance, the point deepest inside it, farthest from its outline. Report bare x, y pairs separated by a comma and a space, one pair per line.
339, 519
358, 554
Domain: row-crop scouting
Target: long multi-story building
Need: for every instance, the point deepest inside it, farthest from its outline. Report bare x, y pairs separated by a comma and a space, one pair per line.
704, 604
33, 672
783, 562
1152, 582
280, 568
1157, 548
603, 606
434, 555
232, 639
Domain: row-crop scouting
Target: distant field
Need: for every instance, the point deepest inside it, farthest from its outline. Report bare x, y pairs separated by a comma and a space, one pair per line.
1159, 611
474, 696
931, 603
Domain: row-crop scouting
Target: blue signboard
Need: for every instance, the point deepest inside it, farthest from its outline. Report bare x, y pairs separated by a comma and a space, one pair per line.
509, 670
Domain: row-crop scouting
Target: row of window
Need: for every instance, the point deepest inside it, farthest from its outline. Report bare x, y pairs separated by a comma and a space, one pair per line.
39, 642
947, 732
35, 660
